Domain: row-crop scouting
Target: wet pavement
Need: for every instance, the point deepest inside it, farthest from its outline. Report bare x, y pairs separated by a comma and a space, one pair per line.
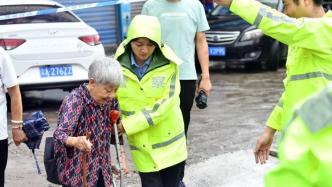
221, 137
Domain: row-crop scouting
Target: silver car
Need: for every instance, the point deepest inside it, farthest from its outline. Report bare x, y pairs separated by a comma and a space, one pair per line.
48, 51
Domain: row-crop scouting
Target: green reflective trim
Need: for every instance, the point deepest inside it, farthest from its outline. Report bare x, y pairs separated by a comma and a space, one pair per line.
164, 144
148, 117
317, 111
154, 109
260, 15
127, 113
263, 12
133, 148
311, 75
172, 86
157, 105
280, 104
280, 18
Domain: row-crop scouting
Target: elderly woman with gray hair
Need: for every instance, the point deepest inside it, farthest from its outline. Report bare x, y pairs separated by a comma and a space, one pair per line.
86, 111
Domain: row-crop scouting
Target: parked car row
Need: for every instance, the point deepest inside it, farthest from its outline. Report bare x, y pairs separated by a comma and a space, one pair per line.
48, 51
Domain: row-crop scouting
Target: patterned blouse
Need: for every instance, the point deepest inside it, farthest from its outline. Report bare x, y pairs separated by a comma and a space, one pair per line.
80, 114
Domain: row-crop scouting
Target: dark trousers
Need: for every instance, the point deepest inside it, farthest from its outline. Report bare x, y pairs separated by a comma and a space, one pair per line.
168, 177
187, 95
3, 160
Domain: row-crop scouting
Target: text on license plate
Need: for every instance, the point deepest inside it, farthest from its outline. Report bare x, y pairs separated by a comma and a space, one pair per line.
217, 51
55, 71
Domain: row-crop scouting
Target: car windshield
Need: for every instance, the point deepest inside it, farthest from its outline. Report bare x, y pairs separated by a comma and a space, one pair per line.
223, 11
49, 18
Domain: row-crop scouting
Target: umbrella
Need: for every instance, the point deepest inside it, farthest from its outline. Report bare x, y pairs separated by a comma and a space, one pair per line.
34, 127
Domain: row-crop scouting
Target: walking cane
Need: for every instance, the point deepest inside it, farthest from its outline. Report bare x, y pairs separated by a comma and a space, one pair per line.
84, 163
115, 114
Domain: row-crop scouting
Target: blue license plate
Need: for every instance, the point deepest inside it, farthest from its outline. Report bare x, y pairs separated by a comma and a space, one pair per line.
217, 51
56, 71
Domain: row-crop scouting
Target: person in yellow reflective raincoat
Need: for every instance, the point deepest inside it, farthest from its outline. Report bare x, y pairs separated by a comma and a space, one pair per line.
150, 104
305, 149
307, 30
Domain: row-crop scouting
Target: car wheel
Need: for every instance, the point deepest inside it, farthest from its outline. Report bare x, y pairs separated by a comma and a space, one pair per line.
273, 60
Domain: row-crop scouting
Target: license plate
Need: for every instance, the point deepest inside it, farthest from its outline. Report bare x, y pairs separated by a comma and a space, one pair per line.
217, 51
56, 71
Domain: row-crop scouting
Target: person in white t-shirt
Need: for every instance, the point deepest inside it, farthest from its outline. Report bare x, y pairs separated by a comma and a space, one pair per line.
9, 82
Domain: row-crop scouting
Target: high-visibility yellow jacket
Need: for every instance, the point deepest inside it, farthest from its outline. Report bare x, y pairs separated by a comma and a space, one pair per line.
309, 61
150, 107
305, 150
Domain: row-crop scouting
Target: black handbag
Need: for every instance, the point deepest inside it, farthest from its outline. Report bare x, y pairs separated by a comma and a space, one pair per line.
50, 161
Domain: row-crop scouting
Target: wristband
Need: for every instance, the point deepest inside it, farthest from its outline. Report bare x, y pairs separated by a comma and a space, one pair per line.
16, 126
16, 121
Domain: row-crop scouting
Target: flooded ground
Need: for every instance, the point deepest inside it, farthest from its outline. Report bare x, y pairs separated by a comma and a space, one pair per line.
221, 137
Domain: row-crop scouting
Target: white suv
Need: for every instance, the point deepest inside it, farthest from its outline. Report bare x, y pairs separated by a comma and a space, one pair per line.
48, 51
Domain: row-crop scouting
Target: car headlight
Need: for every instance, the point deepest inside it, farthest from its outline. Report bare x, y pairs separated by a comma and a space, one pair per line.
252, 34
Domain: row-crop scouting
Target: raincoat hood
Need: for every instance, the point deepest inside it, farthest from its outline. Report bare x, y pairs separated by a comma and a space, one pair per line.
145, 26
148, 27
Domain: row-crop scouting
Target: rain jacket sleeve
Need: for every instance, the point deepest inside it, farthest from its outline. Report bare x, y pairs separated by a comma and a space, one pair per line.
296, 32
275, 119
152, 114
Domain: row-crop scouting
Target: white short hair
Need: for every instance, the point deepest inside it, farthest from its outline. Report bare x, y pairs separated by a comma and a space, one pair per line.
106, 70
